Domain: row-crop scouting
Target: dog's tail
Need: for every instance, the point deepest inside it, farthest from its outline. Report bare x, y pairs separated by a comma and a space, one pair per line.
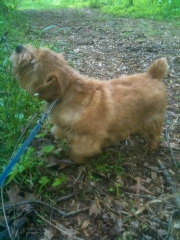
158, 68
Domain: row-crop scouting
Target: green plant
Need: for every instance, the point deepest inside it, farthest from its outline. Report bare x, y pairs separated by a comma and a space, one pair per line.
16, 106
117, 186
47, 149
43, 181
27, 164
123, 8
102, 165
59, 181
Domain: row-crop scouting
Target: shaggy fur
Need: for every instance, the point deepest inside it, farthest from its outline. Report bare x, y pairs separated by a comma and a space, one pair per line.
89, 112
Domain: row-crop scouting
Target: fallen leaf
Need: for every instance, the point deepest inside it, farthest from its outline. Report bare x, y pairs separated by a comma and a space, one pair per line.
28, 196
177, 225
85, 224
118, 225
57, 151
147, 205
79, 221
171, 171
13, 195
94, 209
71, 234
173, 145
51, 160
154, 175
86, 233
47, 235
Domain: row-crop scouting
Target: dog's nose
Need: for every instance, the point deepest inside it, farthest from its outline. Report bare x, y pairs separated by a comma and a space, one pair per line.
19, 48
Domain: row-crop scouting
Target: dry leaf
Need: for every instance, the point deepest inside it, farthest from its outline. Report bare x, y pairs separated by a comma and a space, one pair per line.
13, 195
52, 160
177, 224
154, 175
118, 225
171, 171
85, 224
86, 233
94, 209
57, 151
147, 205
47, 235
71, 234
79, 221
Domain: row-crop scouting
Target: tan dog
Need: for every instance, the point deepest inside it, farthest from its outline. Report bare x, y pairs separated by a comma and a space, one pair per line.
89, 112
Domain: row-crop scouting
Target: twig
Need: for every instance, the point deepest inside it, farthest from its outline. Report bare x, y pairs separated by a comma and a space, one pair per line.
140, 195
172, 185
80, 171
61, 199
61, 228
15, 228
170, 222
174, 122
4, 213
169, 145
131, 213
101, 48
64, 214
76, 211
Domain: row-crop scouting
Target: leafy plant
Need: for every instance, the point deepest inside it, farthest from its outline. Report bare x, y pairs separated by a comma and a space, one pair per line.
43, 181
28, 163
47, 149
59, 181
125, 8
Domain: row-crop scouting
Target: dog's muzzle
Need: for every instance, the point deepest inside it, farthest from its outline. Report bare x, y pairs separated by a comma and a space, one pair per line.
19, 48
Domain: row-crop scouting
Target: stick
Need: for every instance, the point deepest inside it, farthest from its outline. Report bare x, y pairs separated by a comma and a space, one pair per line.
61, 199
172, 185
64, 214
169, 145
4, 213
60, 227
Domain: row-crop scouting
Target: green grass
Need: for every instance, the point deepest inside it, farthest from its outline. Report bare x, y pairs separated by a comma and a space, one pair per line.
154, 9
142, 9
17, 110
16, 106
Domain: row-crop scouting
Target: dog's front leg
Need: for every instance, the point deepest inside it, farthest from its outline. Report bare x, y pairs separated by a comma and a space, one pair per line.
56, 131
83, 146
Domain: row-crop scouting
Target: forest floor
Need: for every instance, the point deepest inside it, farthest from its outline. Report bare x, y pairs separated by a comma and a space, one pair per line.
123, 193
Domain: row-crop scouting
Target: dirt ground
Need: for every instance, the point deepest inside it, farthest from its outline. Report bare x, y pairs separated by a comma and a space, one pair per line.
142, 203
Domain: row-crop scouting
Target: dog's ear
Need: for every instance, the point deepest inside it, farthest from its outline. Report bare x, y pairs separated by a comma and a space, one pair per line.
50, 90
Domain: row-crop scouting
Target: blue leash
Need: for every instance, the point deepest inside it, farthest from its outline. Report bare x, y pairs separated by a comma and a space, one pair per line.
20, 152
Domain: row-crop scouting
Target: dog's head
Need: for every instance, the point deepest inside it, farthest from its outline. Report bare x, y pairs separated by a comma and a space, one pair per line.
40, 71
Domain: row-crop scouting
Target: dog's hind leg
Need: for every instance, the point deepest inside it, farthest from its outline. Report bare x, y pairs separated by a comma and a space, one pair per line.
152, 133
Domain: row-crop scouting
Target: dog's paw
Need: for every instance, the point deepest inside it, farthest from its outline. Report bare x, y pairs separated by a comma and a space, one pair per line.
150, 148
